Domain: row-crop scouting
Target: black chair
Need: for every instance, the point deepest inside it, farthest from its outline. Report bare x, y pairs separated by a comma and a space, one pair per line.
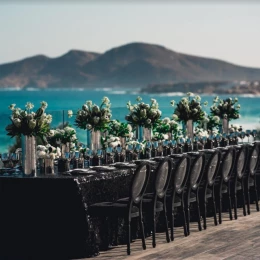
156, 202
237, 177
192, 193
250, 175
206, 190
223, 179
131, 209
175, 194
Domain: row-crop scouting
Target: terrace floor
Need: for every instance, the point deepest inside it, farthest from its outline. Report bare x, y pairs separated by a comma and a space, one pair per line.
236, 239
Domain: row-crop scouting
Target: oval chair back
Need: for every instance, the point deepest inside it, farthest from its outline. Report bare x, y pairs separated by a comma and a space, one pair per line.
180, 176
196, 175
237, 180
206, 191
223, 180
163, 177
139, 183
250, 174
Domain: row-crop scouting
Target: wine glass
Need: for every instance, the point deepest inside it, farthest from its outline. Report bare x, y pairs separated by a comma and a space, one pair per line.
129, 152
248, 133
138, 149
100, 155
14, 158
5, 159
110, 155
89, 157
254, 133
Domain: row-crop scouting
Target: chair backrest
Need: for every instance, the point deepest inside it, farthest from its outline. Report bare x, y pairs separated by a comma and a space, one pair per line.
197, 169
227, 164
212, 165
163, 177
139, 182
181, 173
241, 161
253, 159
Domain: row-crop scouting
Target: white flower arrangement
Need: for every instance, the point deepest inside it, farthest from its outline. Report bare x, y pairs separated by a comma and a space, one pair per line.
164, 127
63, 136
200, 132
47, 152
93, 117
227, 108
143, 114
27, 122
110, 141
189, 108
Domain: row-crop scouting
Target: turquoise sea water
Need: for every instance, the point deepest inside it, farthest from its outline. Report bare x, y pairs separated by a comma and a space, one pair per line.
59, 101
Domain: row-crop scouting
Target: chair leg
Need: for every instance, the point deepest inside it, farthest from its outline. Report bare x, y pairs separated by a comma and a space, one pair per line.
128, 224
214, 208
184, 220
205, 215
244, 199
256, 198
166, 225
142, 229
154, 230
230, 207
220, 210
172, 223
248, 200
198, 213
235, 206
188, 219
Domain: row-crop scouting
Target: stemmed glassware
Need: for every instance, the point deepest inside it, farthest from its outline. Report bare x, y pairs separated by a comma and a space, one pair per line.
248, 133
110, 155
5, 157
129, 152
254, 133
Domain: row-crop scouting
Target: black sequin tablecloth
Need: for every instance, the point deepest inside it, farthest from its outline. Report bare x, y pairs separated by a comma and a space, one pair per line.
46, 217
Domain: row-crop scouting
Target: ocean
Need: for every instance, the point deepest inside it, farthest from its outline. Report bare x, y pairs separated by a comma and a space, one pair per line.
60, 101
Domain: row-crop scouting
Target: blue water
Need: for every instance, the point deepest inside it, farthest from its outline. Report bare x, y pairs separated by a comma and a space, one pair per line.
59, 101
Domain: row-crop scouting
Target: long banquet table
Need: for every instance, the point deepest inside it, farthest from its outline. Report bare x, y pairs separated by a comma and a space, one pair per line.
45, 217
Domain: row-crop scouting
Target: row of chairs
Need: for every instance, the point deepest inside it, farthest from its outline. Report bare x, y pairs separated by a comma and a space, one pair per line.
182, 179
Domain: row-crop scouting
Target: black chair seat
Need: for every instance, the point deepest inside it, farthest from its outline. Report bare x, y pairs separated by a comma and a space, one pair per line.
208, 193
148, 202
251, 181
111, 209
224, 189
192, 197
239, 186
177, 201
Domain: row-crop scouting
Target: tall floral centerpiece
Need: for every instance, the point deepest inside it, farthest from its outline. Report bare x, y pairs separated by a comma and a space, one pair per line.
121, 130
143, 117
188, 111
66, 138
226, 109
27, 125
94, 119
166, 129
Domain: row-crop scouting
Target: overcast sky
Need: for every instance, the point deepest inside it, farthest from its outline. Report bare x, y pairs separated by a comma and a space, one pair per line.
218, 30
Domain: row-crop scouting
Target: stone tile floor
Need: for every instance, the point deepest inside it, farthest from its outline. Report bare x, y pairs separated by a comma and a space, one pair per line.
236, 239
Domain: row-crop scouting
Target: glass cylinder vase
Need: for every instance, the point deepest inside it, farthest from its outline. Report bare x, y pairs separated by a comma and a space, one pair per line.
225, 126
188, 128
28, 155
93, 140
143, 133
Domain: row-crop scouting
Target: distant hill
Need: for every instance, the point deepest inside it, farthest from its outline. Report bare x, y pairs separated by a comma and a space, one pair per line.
131, 65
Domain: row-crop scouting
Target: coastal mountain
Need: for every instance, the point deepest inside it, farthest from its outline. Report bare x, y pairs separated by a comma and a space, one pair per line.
131, 65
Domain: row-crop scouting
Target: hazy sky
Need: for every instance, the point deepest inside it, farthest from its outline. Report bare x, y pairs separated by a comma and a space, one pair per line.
224, 31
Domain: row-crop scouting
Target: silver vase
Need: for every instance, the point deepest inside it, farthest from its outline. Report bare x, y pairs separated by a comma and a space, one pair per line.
143, 133
148, 134
225, 126
49, 166
95, 140
28, 155
189, 129
123, 142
